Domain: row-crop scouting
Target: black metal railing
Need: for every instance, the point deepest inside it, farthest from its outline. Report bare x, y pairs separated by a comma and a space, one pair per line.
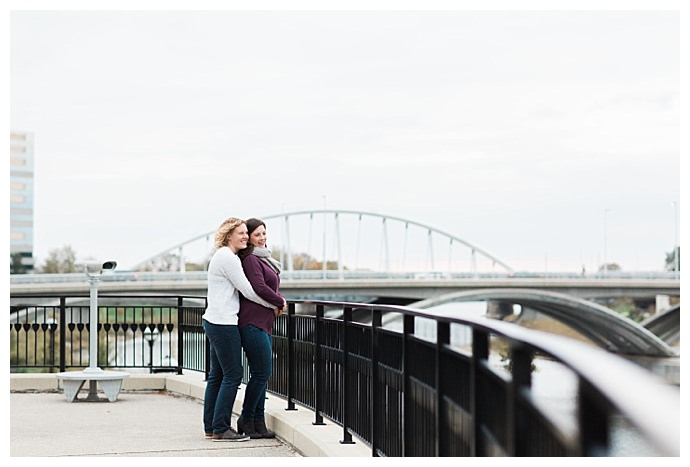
406, 382
158, 332
411, 393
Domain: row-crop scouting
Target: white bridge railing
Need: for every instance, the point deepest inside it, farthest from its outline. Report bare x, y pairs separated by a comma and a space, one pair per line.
345, 275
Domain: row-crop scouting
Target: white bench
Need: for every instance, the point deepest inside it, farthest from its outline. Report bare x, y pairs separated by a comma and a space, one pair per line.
110, 382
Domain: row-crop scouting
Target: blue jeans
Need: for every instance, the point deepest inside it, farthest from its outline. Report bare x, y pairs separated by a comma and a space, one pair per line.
224, 376
257, 347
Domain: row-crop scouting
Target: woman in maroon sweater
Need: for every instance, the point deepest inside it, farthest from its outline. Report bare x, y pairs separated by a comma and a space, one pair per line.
256, 324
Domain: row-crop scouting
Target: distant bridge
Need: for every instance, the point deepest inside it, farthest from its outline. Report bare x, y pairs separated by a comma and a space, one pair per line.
602, 326
666, 325
348, 240
405, 288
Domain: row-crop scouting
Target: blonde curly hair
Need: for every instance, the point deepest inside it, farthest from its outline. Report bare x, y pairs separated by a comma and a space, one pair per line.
225, 230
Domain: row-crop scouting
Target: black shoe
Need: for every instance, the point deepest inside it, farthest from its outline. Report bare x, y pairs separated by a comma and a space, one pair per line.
247, 427
230, 435
260, 426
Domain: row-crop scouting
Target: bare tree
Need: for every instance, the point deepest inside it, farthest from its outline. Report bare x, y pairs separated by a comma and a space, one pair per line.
60, 261
16, 265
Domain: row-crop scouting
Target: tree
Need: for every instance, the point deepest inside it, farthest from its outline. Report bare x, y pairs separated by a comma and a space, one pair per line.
610, 267
195, 267
304, 261
671, 260
16, 265
60, 261
168, 262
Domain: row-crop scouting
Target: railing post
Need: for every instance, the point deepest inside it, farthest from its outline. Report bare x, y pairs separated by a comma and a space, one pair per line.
63, 334
291, 357
180, 335
408, 429
347, 437
480, 355
376, 321
593, 420
521, 364
207, 355
442, 340
318, 366
207, 349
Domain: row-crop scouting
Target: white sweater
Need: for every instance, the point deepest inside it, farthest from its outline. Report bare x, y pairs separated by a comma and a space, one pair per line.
225, 278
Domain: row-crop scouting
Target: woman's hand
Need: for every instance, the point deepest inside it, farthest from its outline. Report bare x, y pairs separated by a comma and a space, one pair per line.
280, 311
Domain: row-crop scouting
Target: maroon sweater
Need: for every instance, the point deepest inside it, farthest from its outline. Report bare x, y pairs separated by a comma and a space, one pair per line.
265, 283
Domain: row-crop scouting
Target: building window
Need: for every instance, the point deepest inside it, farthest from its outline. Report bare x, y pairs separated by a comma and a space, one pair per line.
21, 211
18, 223
21, 174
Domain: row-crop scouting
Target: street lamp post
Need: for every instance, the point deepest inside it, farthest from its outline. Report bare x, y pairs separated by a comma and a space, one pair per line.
675, 241
323, 266
606, 264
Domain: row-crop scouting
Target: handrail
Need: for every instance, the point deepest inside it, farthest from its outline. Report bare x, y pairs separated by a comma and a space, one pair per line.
356, 275
611, 384
658, 415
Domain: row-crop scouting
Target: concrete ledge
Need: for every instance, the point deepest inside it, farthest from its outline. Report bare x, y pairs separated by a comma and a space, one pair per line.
148, 382
191, 385
294, 427
25, 382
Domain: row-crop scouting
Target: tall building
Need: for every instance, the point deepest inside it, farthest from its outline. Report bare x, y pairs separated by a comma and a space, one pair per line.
22, 199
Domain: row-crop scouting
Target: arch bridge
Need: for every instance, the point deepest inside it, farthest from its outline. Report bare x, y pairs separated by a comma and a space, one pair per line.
343, 240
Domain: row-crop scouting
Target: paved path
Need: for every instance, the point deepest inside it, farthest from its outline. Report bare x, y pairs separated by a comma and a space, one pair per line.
138, 424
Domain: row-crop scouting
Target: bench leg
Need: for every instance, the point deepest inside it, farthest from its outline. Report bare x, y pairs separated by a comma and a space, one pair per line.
111, 388
72, 388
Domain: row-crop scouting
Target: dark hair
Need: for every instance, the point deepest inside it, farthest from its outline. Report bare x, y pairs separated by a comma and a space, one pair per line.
252, 225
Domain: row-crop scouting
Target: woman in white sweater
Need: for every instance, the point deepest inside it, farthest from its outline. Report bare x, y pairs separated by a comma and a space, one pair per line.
226, 280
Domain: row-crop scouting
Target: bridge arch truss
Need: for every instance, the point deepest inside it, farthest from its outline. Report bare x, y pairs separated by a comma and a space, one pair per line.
345, 241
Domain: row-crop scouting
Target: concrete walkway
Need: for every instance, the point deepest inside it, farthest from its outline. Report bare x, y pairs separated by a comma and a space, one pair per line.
154, 415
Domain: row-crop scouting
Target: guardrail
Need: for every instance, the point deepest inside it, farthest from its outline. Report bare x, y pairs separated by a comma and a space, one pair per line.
155, 332
411, 395
119, 276
464, 389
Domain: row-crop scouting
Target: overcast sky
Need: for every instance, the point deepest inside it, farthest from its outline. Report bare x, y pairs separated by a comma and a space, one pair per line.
513, 130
